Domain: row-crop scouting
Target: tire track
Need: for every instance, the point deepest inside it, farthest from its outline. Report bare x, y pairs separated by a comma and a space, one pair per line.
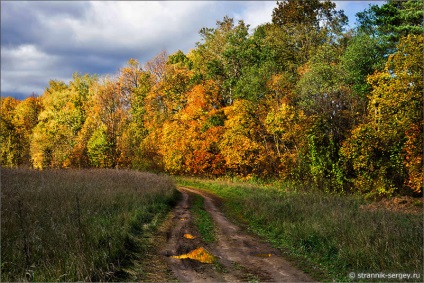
240, 257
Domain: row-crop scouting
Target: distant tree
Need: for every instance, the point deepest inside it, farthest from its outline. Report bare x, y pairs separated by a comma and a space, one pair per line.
64, 110
326, 100
156, 66
9, 138
305, 25
241, 144
135, 83
24, 120
316, 14
222, 56
288, 126
385, 154
391, 21
111, 113
101, 149
60, 120
83, 85
362, 57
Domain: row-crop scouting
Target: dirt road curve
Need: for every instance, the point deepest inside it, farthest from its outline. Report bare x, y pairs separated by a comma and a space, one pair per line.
240, 257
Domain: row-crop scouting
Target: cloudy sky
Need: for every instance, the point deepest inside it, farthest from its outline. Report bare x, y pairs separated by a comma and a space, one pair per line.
53, 39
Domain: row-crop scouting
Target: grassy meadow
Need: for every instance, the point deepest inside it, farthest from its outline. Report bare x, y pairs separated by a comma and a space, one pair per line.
77, 225
329, 235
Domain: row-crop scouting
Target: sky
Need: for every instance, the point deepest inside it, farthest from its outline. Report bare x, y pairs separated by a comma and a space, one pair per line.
45, 40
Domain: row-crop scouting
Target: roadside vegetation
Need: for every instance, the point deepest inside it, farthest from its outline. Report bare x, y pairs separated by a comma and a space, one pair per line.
335, 233
77, 225
203, 220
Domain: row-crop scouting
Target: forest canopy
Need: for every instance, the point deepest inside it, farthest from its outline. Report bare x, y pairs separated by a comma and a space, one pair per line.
302, 99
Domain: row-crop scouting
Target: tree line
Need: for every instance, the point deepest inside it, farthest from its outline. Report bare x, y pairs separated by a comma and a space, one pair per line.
301, 99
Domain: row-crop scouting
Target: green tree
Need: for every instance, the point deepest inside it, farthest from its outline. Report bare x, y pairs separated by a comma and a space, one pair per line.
305, 25
82, 84
224, 53
361, 58
316, 14
328, 101
391, 21
385, 155
100, 150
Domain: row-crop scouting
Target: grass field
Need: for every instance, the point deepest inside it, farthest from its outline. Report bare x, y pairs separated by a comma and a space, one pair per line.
203, 220
70, 225
331, 232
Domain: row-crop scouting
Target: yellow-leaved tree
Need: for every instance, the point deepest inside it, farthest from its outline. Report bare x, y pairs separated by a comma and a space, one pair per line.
241, 145
385, 154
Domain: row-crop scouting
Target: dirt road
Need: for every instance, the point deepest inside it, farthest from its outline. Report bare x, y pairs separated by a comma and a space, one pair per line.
239, 257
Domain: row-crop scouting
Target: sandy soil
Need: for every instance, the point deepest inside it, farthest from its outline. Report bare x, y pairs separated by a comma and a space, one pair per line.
240, 257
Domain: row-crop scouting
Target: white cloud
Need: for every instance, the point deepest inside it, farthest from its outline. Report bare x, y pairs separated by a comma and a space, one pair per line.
258, 12
111, 26
25, 57
26, 69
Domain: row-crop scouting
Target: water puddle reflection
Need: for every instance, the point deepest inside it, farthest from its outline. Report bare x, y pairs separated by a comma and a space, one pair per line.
263, 255
199, 254
189, 236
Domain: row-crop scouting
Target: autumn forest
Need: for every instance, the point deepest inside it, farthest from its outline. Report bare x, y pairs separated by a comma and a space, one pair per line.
302, 99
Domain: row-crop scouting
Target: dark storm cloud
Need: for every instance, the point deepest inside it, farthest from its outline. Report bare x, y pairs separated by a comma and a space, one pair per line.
53, 39
23, 22
18, 26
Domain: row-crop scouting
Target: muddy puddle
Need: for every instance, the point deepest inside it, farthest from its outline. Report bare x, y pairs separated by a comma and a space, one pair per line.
199, 254
189, 236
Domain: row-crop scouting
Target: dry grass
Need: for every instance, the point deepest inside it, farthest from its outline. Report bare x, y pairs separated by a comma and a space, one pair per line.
76, 225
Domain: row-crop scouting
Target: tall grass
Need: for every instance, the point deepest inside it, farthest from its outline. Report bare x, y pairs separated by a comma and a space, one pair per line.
331, 231
70, 225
